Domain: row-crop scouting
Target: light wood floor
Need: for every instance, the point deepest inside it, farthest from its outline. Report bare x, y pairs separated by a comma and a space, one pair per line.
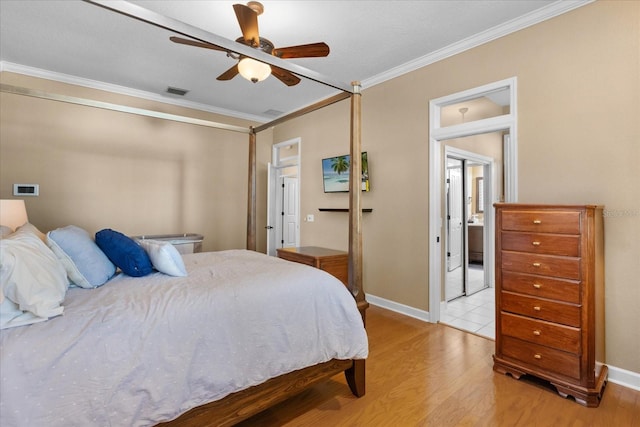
421, 374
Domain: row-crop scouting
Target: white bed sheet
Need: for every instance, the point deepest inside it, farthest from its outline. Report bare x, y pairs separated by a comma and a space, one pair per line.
138, 351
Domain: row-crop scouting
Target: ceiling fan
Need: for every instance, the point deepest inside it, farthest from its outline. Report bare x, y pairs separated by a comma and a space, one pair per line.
252, 69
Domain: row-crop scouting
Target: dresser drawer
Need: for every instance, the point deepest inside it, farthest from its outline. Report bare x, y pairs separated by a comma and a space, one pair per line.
565, 338
546, 265
539, 243
542, 286
553, 311
561, 222
546, 358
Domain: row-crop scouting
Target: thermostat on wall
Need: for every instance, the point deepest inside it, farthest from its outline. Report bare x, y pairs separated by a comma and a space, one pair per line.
26, 189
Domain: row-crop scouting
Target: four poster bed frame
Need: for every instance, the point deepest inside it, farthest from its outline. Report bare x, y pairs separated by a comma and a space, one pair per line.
243, 404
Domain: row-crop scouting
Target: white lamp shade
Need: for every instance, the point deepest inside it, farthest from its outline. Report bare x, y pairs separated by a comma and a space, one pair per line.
252, 70
13, 213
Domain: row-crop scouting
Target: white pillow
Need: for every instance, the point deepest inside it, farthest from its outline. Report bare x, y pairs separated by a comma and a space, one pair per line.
87, 266
164, 257
11, 315
28, 227
5, 231
30, 276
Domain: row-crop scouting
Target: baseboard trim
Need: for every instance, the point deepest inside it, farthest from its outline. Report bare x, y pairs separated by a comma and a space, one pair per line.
398, 308
619, 376
624, 378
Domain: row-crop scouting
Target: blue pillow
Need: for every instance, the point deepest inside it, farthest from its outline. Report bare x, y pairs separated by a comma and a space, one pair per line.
124, 252
87, 266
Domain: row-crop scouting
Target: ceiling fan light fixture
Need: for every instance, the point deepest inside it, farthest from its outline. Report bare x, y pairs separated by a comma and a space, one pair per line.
252, 70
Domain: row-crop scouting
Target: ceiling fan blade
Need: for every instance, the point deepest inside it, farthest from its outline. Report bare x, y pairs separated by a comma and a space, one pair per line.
196, 43
312, 50
229, 74
248, 20
285, 76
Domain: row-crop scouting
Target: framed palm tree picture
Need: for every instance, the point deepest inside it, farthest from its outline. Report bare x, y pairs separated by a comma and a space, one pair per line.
335, 174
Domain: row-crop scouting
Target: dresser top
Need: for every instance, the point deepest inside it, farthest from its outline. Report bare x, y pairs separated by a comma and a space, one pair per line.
314, 251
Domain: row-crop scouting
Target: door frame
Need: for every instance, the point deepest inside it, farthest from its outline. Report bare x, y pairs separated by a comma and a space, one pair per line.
274, 175
437, 134
489, 189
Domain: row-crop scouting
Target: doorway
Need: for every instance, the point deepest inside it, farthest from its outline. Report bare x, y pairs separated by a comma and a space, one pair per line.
465, 232
283, 197
456, 117
469, 301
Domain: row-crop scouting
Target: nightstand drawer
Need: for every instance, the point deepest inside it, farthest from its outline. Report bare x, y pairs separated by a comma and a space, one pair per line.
542, 286
540, 243
545, 265
549, 359
333, 262
337, 267
558, 312
561, 222
549, 334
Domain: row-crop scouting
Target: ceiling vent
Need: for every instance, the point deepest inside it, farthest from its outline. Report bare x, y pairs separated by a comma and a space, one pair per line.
177, 91
273, 113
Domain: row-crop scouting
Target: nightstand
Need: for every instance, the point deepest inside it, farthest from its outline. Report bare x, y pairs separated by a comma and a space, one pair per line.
332, 261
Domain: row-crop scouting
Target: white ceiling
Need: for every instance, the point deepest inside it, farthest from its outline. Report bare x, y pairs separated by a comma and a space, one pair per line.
370, 41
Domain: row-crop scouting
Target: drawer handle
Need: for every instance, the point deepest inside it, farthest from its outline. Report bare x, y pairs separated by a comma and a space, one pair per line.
536, 332
537, 356
536, 264
537, 221
537, 285
537, 308
535, 243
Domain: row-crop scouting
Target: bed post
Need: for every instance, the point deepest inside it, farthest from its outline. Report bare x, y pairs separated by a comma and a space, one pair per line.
251, 199
356, 374
355, 208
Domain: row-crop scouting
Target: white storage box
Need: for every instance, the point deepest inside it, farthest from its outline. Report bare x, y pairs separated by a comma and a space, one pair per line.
185, 243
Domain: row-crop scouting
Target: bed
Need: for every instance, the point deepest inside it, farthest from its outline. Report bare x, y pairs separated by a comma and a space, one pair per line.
143, 350
219, 408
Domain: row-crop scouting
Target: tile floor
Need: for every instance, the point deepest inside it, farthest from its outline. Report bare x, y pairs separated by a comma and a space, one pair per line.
475, 313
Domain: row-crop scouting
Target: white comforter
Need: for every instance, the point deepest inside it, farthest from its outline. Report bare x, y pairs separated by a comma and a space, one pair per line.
138, 351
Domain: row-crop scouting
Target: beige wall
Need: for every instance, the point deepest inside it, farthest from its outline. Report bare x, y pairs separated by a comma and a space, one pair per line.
138, 175
578, 132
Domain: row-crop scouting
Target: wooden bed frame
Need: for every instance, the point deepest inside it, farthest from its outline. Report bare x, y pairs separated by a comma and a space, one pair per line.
243, 404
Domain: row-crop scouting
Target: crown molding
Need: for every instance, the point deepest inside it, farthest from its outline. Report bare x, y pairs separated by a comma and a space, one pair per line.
123, 90
551, 11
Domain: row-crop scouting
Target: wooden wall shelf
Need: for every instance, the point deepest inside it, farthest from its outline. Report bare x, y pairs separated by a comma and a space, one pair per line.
341, 210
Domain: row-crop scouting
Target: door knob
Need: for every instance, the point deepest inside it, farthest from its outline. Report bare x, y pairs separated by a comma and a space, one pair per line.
268, 227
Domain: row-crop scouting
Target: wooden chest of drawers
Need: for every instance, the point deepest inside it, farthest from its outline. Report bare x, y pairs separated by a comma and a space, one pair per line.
332, 261
549, 296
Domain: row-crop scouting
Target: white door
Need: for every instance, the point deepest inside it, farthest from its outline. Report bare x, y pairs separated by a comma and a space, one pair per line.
289, 212
455, 217
283, 198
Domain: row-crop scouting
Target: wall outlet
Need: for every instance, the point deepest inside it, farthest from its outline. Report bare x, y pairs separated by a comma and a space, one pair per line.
310, 218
